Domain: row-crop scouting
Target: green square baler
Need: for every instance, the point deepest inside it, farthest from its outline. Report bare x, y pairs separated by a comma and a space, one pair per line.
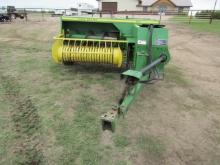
138, 46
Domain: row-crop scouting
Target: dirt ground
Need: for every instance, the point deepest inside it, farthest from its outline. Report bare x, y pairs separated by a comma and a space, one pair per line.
195, 130
173, 122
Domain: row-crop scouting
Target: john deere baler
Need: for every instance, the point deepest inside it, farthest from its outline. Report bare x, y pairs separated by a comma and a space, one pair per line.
137, 46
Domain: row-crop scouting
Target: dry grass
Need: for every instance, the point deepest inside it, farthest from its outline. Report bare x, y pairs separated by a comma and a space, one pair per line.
173, 122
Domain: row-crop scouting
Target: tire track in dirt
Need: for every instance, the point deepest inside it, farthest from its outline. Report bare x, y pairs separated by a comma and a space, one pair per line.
27, 148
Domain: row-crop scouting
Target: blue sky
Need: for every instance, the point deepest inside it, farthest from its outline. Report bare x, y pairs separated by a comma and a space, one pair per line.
197, 4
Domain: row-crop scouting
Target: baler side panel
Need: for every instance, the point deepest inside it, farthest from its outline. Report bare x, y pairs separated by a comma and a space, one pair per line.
140, 56
160, 46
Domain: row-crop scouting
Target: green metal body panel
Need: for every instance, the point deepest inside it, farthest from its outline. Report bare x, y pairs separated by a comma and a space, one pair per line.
134, 31
137, 35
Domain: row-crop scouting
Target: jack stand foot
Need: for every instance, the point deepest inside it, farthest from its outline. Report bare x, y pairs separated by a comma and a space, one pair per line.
108, 120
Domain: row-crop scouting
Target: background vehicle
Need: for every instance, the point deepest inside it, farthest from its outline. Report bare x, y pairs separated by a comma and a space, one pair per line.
7, 13
3, 14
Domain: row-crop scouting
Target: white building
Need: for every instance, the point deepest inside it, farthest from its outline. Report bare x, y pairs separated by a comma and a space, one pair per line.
144, 5
85, 8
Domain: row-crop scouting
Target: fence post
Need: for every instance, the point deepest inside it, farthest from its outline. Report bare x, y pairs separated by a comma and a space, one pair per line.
160, 17
190, 18
42, 13
216, 1
211, 17
25, 15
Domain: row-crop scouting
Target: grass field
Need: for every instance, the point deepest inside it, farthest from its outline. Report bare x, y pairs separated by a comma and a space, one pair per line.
65, 101
206, 27
49, 113
201, 25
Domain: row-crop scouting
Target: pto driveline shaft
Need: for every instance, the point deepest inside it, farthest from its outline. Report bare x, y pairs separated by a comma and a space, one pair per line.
154, 63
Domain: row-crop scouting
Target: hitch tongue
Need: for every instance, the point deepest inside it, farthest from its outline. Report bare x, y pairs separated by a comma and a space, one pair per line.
108, 119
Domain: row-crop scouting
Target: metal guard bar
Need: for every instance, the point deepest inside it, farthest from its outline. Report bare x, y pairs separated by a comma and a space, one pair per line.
93, 40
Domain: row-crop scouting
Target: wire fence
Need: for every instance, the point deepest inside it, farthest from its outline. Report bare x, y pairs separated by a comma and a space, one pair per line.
195, 16
184, 16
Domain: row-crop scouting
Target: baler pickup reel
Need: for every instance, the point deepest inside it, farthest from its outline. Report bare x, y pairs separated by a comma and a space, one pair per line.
138, 46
